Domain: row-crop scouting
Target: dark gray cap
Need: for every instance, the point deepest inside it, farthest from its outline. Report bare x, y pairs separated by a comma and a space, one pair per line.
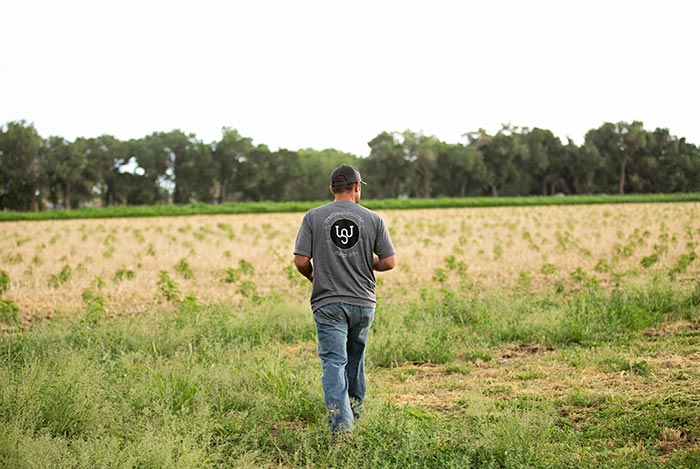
344, 175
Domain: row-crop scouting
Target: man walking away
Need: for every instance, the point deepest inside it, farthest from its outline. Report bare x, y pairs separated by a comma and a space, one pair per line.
347, 243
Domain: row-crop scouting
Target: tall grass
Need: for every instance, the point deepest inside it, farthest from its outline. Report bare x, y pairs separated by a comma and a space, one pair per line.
287, 207
237, 385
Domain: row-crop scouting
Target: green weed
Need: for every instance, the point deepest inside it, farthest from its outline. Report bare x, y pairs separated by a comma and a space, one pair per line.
683, 263
237, 385
4, 282
9, 312
184, 269
61, 278
167, 287
230, 275
123, 274
14, 259
248, 289
245, 269
649, 261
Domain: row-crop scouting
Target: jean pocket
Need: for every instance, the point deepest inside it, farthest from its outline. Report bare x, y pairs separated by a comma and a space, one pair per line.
330, 314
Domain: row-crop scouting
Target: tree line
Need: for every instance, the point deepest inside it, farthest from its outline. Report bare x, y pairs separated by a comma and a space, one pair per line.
175, 167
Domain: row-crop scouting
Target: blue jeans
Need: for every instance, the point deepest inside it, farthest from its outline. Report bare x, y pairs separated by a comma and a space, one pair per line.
342, 331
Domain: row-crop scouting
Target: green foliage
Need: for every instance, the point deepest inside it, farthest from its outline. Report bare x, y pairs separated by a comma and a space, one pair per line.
294, 277
175, 390
20, 147
4, 282
649, 261
14, 259
248, 289
581, 276
602, 266
374, 204
184, 269
9, 312
94, 308
683, 263
245, 269
167, 287
175, 166
62, 277
123, 274
150, 250
228, 229
231, 275
237, 385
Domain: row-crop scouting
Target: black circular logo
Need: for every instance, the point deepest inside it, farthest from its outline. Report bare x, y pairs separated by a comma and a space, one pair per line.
345, 233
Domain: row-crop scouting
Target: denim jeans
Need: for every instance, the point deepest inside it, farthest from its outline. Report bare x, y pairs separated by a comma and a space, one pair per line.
342, 331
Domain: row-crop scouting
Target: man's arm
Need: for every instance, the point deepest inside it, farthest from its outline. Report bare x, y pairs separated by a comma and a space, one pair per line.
304, 266
381, 265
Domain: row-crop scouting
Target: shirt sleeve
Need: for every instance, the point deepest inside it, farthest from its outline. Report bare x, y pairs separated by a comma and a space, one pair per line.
304, 242
383, 247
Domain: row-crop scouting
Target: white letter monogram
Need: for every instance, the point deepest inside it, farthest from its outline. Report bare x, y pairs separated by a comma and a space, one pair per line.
344, 233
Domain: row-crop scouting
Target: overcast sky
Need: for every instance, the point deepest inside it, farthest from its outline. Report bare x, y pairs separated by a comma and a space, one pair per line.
318, 74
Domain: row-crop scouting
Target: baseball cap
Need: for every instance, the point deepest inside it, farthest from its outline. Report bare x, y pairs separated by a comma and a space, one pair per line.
345, 174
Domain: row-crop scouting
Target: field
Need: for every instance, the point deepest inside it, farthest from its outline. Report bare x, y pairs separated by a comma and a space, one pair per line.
546, 336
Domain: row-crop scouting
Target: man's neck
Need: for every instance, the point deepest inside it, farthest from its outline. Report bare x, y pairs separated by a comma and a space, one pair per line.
344, 197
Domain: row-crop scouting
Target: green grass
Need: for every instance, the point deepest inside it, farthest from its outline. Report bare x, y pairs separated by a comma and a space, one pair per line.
388, 204
238, 385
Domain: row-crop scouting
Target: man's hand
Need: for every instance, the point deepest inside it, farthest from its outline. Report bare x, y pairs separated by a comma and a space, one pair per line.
381, 265
304, 266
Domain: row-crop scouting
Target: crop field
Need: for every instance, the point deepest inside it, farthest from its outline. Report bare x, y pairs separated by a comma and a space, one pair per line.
222, 258
551, 336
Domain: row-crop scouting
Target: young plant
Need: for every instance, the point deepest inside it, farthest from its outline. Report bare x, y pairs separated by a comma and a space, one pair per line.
245, 268
167, 287
4, 282
184, 269
14, 259
94, 308
683, 263
123, 274
9, 313
249, 290
62, 277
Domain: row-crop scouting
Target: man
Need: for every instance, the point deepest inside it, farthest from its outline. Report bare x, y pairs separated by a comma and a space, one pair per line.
347, 243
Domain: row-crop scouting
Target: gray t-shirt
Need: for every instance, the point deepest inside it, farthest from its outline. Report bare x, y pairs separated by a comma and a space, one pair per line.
341, 238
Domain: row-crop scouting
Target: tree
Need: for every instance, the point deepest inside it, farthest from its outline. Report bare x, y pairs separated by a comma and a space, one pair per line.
543, 150
104, 156
621, 144
460, 171
228, 155
316, 166
66, 169
421, 154
388, 166
20, 169
190, 167
149, 182
503, 157
270, 175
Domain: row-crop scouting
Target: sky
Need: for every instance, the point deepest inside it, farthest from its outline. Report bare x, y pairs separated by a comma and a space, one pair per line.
329, 74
